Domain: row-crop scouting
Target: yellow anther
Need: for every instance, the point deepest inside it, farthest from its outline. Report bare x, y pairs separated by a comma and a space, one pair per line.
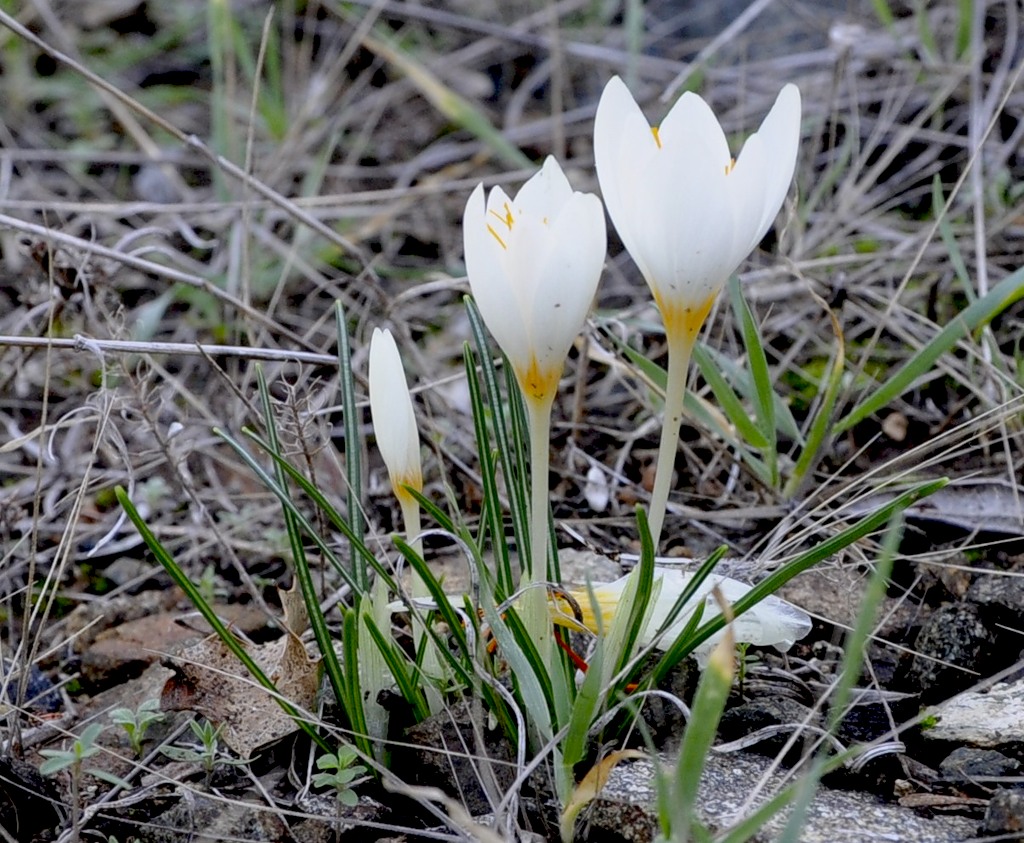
657, 137
506, 219
730, 166
495, 235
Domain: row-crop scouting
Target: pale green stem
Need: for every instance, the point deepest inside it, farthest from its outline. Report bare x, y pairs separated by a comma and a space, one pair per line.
432, 664
679, 349
534, 603
411, 522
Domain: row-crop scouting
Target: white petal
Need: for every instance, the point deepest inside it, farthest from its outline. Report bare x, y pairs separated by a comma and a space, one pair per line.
691, 129
546, 192
746, 188
772, 622
391, 410
567, 278
486, 265
780, 134
623, 146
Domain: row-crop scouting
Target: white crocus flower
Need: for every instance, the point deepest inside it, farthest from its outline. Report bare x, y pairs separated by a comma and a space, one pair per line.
533, 263
394, 425
772, 622
688, 214
394, 420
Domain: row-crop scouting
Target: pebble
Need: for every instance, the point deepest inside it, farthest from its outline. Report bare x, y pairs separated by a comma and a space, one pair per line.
988, 719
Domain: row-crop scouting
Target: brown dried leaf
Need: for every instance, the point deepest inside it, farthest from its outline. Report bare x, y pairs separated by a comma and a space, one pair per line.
210, 681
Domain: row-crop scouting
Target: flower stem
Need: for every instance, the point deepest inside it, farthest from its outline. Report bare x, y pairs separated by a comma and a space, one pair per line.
432, 664
535, 611
680, 347
411, 522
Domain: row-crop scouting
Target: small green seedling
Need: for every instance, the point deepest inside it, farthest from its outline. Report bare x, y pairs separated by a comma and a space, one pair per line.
135, 723
344, 776
84, 747
207, 753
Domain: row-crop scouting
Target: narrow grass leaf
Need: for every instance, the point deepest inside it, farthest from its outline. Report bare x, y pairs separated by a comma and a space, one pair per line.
181, 579
866, 526
764, 390
956, 257
335, 517
683, 646
353, 447
456, 108
350, 692
821, 424
728, 399
707, 416
708, 705
443, 606
491, 516
406, 676
526, 667
300, 562
979, 313
515, 477
854, 650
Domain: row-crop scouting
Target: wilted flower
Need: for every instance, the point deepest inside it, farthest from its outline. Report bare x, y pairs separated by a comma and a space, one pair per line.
772, 622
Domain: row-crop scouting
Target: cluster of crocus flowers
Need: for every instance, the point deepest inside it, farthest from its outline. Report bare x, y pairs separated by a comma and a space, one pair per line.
688, 213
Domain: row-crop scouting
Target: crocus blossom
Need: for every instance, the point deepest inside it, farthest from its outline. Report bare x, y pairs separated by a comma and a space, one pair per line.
772, 622
394, 421
533, 263
688, 212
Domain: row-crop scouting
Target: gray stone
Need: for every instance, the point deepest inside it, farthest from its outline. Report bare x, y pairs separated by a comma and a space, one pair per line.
999, 594
990, 719
1005, 814
969, 764
951, 639
627, 808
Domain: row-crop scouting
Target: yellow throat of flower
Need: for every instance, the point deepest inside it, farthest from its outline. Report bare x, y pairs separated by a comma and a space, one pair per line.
563, 613
684, 318
536, 383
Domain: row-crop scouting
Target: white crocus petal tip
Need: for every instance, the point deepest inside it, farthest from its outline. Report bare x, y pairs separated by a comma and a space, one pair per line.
392, 414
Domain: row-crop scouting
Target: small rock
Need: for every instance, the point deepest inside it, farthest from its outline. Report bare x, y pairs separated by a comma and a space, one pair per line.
1005, 814
952, 638
28, 801
990, 719
999, 595
40, 694
442, 751
968, 764
763, 715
